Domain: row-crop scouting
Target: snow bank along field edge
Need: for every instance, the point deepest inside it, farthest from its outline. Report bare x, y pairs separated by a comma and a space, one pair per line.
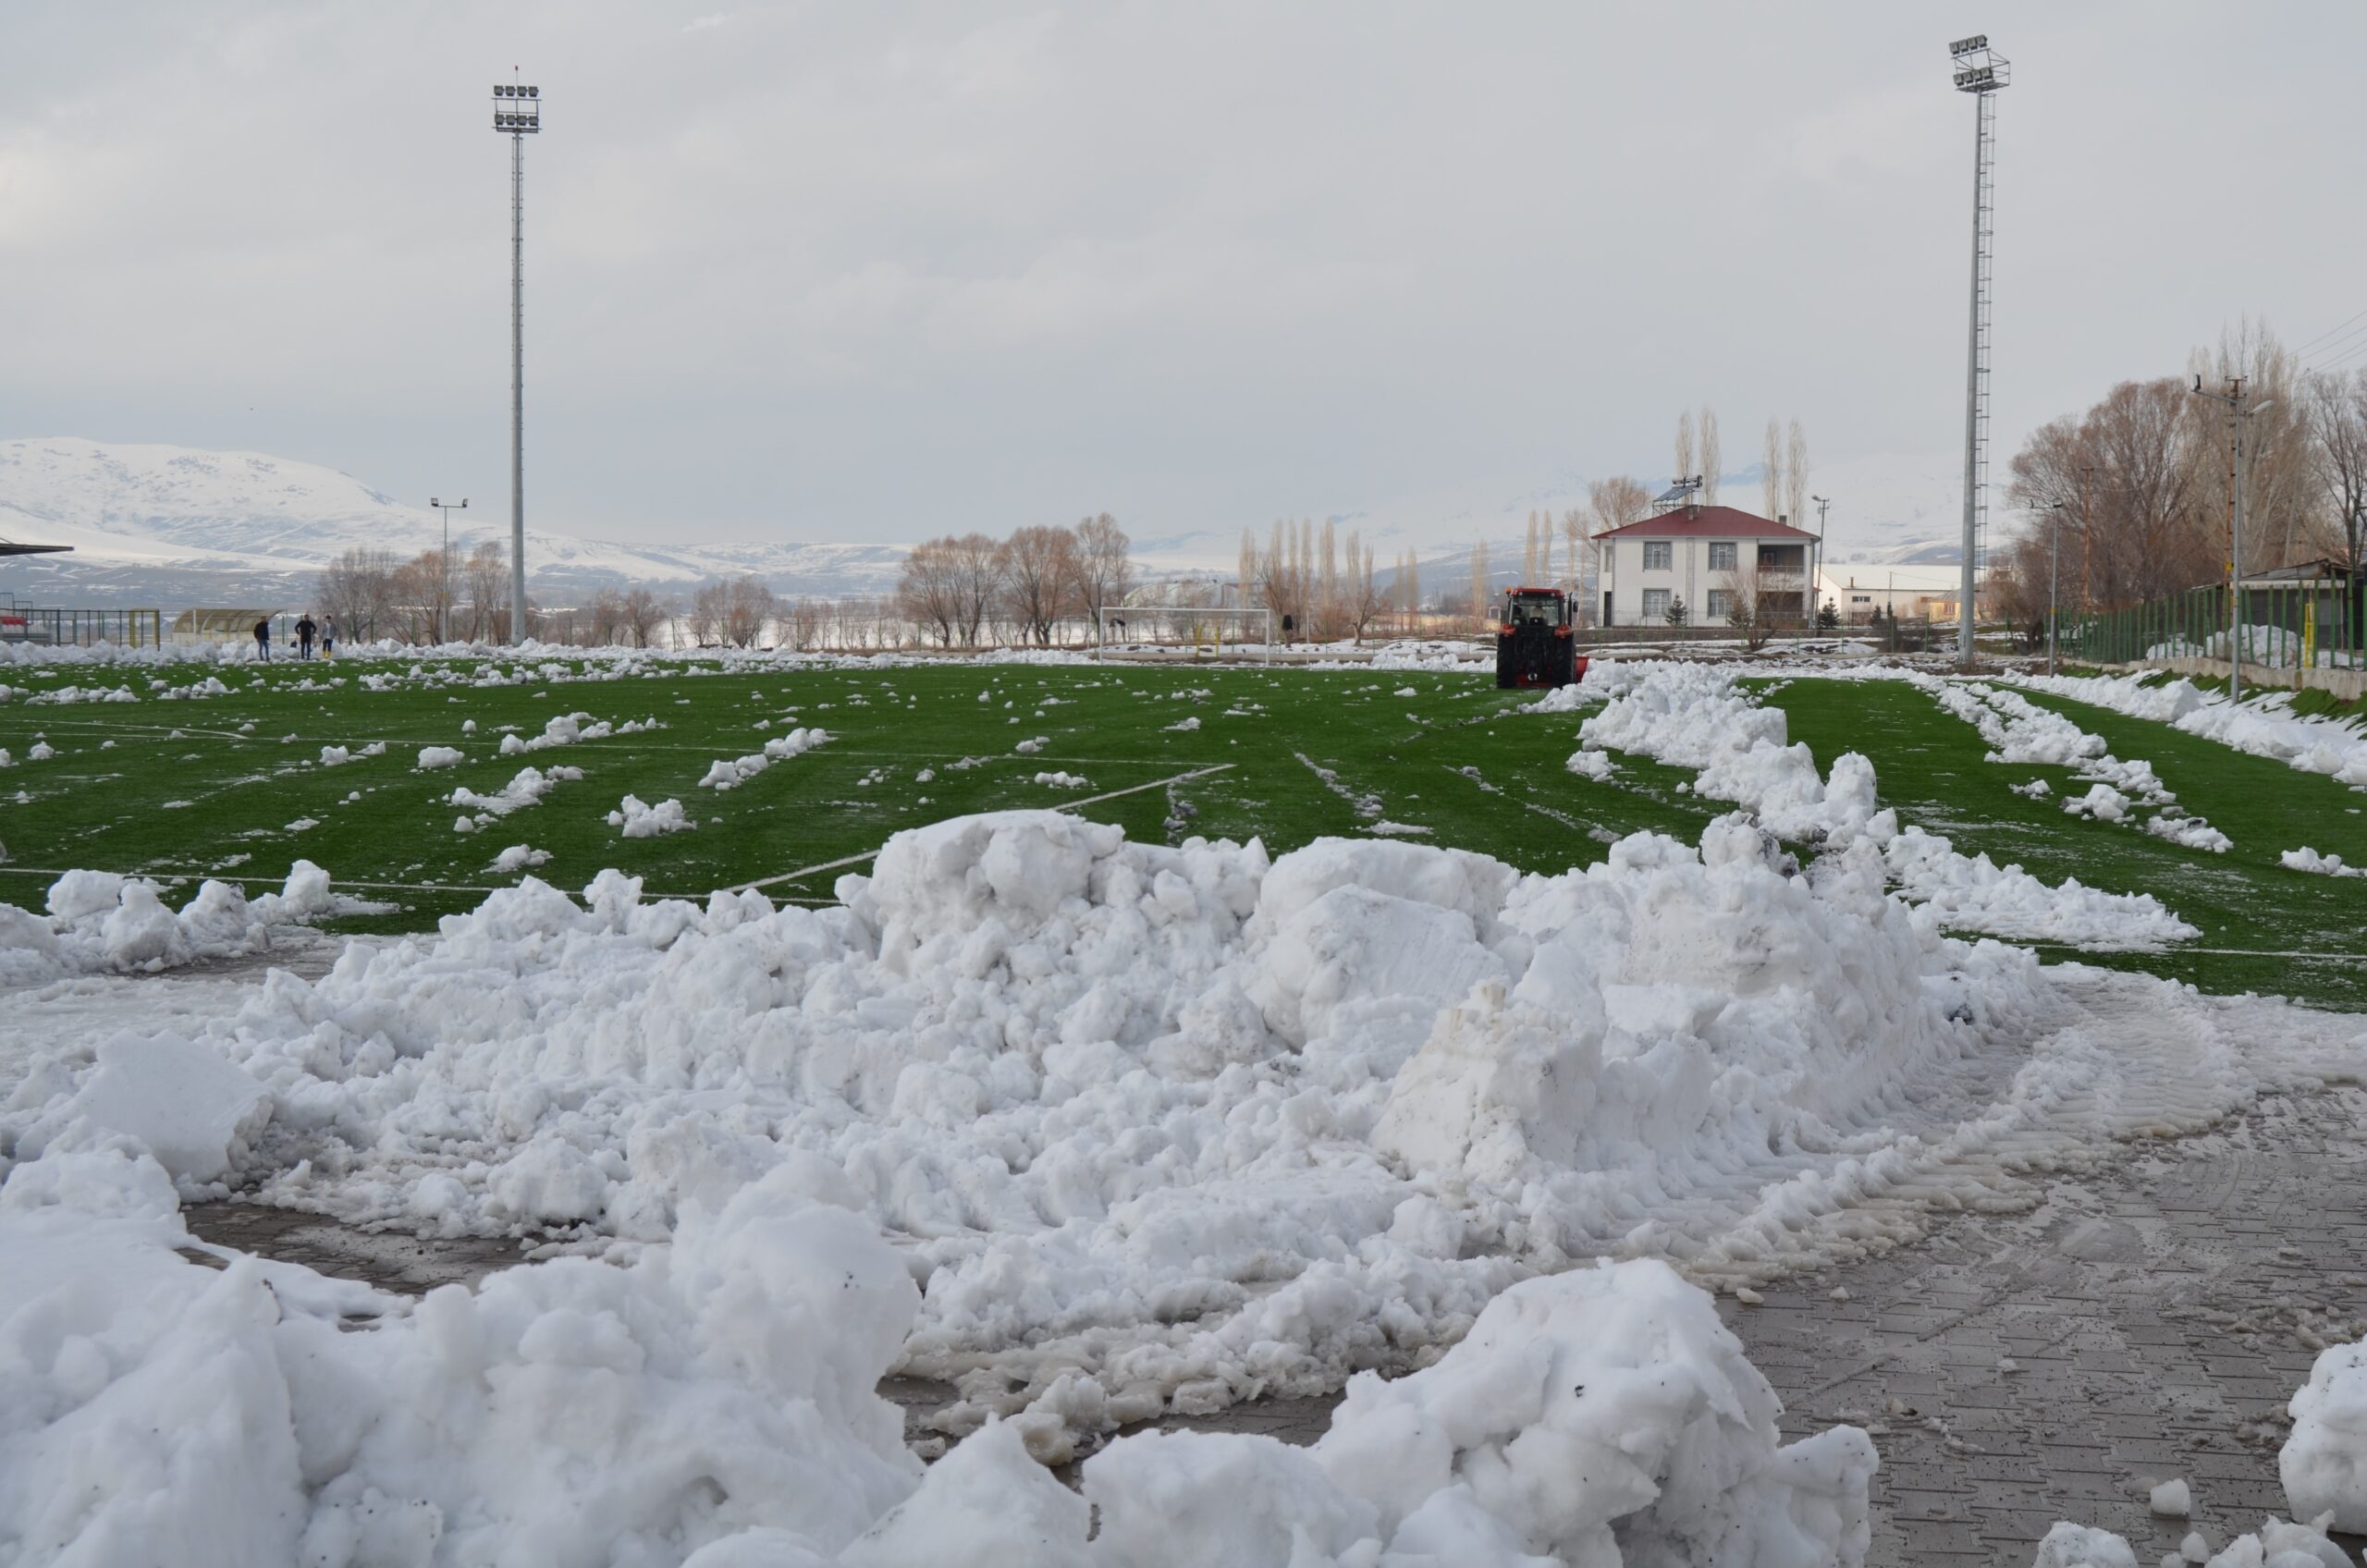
1091, 1128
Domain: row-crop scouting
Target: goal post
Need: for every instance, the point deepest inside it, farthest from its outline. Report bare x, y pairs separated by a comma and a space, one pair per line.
1204, 624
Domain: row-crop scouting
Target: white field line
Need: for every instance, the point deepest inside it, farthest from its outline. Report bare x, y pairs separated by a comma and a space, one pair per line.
169, 874
806, 870
935, 758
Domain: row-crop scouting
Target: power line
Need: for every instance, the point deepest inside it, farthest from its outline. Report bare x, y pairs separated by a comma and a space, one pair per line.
2328, 333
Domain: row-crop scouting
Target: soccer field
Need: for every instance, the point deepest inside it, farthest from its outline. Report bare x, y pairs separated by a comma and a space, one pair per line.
157, 772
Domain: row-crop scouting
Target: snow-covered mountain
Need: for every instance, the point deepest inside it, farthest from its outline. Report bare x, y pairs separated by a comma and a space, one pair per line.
172, 526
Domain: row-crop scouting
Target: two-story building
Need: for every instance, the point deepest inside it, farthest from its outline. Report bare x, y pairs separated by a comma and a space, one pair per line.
1703, 557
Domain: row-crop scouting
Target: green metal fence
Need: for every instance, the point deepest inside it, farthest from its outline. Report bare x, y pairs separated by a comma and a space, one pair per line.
83, 629
2282, 626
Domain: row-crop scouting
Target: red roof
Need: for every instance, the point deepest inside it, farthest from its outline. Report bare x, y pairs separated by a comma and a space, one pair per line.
1708, 522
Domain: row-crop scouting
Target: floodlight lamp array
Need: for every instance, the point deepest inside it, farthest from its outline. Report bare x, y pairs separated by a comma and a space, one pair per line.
517, 109
1978, 68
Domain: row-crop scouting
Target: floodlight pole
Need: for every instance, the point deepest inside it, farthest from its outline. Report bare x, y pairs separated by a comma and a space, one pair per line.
1822, 502
1981, 71
444, 620
517, 114
2234, 398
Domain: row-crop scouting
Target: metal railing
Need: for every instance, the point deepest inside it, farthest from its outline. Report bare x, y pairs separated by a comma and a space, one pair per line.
2284, 626
56, 628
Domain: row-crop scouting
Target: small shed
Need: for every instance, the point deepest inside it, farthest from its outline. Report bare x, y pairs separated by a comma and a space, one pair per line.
200, 626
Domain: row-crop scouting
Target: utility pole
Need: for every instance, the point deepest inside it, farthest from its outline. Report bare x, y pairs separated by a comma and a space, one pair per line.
2238, 414
444, 620
2054, 575
517, 114
2086, 542
1822, 502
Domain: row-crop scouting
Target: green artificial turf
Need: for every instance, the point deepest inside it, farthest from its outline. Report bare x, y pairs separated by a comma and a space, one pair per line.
1455, 756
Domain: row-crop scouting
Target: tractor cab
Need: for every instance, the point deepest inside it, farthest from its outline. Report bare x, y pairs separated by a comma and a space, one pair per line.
1534, 640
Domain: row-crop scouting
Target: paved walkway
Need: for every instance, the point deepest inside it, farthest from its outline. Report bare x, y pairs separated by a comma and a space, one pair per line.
2143, 1323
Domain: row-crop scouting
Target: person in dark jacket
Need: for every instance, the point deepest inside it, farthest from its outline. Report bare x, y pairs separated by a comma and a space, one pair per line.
263, 639
304, 630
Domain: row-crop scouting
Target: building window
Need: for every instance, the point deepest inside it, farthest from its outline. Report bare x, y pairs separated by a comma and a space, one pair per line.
1719, 600
1657, 556
1722, 557
1655, 600
1861, 598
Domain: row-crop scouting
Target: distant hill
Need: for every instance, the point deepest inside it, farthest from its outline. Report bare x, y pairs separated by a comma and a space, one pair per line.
172, 526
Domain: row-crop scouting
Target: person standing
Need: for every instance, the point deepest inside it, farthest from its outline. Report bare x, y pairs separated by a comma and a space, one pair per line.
263, 639
304, 630
329, 637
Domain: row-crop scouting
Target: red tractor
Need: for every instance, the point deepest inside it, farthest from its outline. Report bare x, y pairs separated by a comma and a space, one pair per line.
1535, 642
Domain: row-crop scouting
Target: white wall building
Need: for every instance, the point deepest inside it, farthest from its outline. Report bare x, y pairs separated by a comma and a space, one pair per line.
1857, 589
1703, 557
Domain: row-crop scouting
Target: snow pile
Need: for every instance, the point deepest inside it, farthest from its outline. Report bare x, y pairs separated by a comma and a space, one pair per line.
1960, 893
99, 922
1591, 765
1601, 1416
440, 756
1161, 1125
518, 857
2273, 646
1694, 715
725, 774
2307, 859
714, 1403
526, 789
641, 820
2324, 1464
1064, 781
1028, 748
2276, 1544
567, 729
2021, 731
2263, 726
2102, 801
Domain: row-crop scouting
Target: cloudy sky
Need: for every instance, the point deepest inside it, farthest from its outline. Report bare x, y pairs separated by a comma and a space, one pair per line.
871, 271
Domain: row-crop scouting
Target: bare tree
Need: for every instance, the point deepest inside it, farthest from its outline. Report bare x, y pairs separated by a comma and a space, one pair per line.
1528, 554
1796, 476
1039, 581
486, 573
1771, 471
1747, 606
1286, 576
357, 589
2134, 483
708, 606
641, 612
929, 590
604, 618
1481, 586
1105, 567
414, 593
1710, 459
1361, 603
1573, 546
975, 563
1614, 502
806, 619
1685, 446
2337, 407
745, 609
